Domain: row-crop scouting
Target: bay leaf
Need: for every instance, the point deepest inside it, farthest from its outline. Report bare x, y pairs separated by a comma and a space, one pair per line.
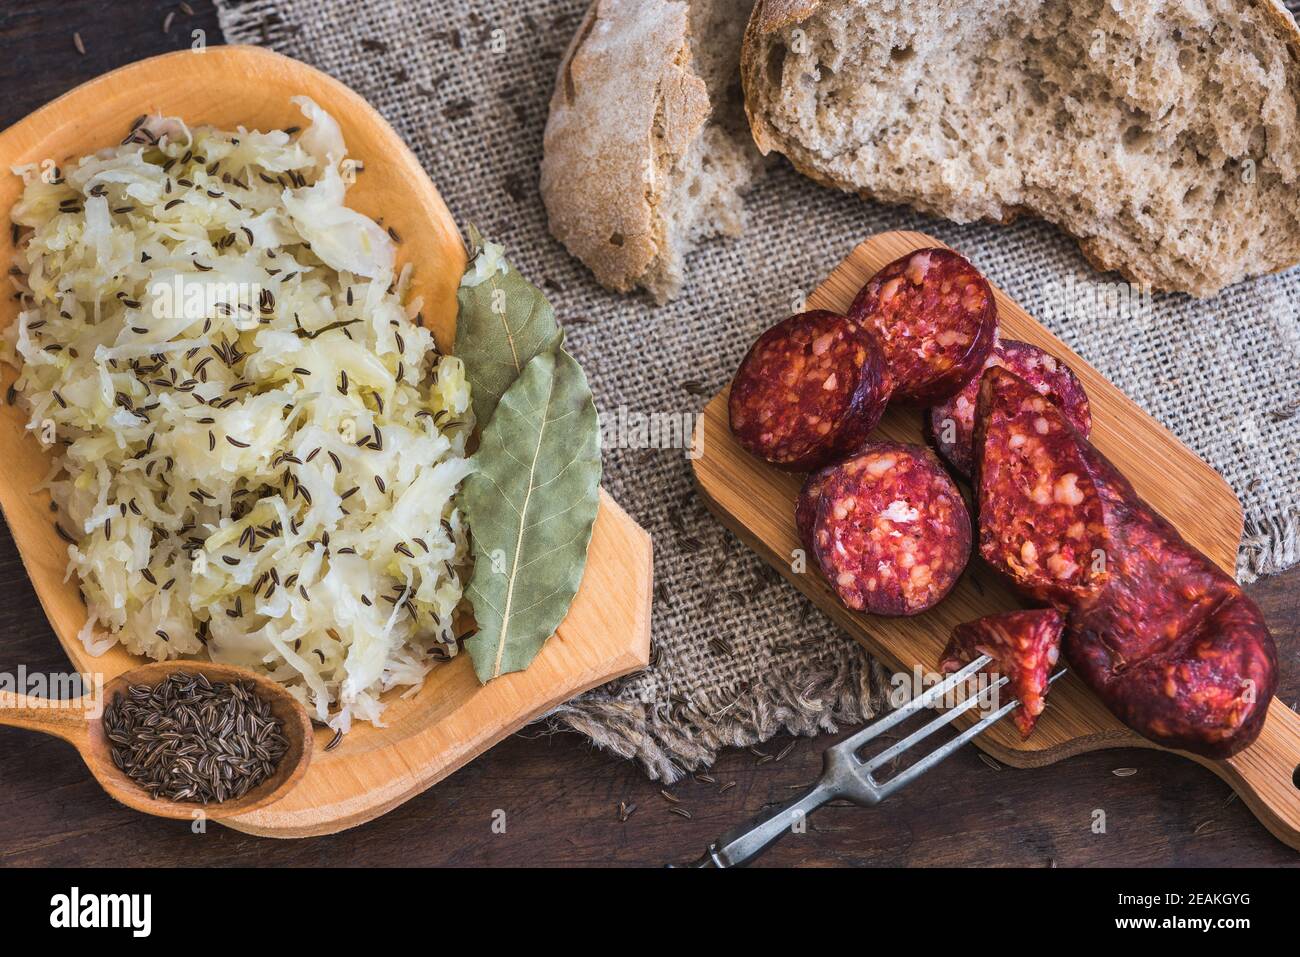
502, 323
531, 504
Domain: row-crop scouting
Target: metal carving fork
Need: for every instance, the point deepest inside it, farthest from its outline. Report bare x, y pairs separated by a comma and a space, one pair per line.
845, 775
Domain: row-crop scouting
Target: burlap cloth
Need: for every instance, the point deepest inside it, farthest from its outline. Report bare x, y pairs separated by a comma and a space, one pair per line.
739, 656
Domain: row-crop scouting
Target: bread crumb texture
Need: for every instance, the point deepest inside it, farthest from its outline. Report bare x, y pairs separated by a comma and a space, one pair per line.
646, 152
1161, 133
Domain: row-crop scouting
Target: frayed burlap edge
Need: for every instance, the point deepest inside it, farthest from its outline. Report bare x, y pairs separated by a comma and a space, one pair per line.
1268, 547
670, 741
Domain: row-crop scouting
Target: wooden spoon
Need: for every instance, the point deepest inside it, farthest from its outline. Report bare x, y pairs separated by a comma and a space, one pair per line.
80, 722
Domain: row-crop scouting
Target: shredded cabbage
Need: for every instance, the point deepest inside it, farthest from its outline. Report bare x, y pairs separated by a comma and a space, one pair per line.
257, 444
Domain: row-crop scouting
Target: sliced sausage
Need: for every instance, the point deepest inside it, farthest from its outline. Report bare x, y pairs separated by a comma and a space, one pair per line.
1164, 636
950, 426
892, 533
1156, 586
935, 318
1024, 646
808, 392
1040, 516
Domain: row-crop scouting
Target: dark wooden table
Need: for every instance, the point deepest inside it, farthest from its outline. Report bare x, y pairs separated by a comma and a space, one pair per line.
560, 796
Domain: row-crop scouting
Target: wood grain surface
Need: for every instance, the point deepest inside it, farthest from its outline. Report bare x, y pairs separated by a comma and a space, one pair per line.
560, 797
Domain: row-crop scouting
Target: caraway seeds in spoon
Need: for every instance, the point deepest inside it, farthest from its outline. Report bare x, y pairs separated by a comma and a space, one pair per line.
189, 739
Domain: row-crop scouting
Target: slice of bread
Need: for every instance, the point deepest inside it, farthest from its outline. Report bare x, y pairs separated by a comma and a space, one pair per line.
1163, 134
646, 150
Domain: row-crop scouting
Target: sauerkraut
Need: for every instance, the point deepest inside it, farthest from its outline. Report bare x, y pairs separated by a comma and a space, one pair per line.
257, 444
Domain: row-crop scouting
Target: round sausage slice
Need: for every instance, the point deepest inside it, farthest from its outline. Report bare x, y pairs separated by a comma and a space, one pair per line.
935, 318
892, 533
951, 425
808, 392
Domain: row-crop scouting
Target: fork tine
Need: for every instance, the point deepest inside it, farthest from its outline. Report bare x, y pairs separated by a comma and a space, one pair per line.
938, 754
945, 718
854, 742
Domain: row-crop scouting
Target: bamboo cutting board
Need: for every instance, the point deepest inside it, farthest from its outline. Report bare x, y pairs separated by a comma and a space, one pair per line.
756, 501
453, 718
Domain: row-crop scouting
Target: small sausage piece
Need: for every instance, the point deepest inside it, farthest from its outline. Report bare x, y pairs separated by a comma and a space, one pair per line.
1040, 515
935, 317
951, 425
1024, 646
892, 533
808, 392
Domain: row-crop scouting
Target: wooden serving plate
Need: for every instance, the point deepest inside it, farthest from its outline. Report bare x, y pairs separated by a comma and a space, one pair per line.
453, 718
756, 502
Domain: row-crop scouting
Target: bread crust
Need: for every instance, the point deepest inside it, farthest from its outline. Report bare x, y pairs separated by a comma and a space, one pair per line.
627, 104
770, 16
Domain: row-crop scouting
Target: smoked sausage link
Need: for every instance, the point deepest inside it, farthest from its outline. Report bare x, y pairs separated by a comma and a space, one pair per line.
1164, 636
1205, 691
950, 427
935, 318
808, 391
1024, 646
1156, 586
891, 533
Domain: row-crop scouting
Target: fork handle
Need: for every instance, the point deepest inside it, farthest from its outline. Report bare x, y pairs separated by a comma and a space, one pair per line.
742, 844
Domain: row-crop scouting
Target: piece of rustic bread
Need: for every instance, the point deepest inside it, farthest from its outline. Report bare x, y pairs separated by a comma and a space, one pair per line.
1163, 134
647, 151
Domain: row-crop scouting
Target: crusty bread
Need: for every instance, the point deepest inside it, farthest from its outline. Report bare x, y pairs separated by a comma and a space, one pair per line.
646, 150
1163, 134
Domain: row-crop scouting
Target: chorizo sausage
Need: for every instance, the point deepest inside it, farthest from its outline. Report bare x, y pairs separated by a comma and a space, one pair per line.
1155, 585
1024, 646
935, 318
892, 533
1164, 636
1206, 690
1040, 517
950, 426
808, 391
